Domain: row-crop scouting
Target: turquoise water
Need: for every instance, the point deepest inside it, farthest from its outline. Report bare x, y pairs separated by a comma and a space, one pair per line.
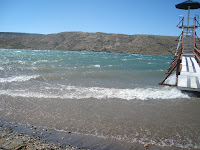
80, 71
100, 94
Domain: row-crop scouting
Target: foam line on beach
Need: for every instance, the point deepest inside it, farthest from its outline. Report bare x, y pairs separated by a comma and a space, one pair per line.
74, 92
18, 78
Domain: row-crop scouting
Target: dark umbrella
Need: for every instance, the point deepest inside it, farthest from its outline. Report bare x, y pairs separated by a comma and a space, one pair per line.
187, 5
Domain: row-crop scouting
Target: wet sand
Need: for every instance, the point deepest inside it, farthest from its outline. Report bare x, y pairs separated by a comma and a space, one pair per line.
10, 139
115, 119
21, 137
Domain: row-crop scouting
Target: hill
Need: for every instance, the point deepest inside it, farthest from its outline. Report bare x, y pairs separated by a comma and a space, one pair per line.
97, 42
7, 35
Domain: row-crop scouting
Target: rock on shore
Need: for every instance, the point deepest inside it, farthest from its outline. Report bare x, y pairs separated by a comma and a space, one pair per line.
10, 139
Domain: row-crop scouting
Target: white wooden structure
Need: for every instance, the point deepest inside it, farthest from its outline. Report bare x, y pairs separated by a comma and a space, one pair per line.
189, 78
186, 62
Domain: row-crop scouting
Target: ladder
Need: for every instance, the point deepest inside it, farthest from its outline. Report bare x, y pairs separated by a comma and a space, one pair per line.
188, 44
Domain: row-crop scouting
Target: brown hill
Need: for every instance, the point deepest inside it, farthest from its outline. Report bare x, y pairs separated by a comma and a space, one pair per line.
97, 42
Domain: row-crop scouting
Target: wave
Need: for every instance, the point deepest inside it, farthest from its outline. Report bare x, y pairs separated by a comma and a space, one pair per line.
91, 66
74, 92
171, 79
126, 94
97, 66
18, 78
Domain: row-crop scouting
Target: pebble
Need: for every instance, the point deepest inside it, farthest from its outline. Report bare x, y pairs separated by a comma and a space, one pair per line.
32, 141
146, 145
10, 140
45, 130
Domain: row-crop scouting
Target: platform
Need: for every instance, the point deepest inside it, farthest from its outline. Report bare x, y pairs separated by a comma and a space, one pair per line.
189, 78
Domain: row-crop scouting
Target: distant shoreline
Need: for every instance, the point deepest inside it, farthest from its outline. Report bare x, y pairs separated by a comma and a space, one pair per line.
92, 42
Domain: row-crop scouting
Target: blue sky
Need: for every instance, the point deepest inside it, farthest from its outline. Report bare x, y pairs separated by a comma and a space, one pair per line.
157, 17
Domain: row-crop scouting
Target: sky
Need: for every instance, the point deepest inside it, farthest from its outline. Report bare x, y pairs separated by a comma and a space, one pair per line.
155, 17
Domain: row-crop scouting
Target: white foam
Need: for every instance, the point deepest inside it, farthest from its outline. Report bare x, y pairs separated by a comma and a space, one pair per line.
18, 78
150, 63
21, 62
97, 66
40, 61
18, 51
73, 92
130, 94
171, 79
24, 93
124, 59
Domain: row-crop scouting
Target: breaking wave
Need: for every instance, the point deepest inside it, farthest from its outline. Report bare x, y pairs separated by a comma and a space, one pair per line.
73, 92
18, 78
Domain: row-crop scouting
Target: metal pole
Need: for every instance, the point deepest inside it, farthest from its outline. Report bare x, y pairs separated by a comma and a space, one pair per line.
188, 15
194, 30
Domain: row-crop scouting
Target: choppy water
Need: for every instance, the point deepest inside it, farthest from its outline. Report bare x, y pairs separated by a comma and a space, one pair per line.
100, 94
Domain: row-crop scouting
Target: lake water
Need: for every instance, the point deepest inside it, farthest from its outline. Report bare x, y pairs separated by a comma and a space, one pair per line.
105, 95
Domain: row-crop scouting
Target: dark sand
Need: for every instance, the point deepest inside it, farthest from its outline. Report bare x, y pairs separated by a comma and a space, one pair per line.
10, 139
21, 137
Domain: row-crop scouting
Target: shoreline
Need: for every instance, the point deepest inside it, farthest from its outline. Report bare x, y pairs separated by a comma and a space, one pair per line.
10, 138
95, 42
87, 51
27, 137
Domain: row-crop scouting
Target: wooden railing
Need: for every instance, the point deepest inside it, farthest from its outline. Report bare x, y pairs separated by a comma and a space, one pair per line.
197, 55
196, 50
176, 63
181, 21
